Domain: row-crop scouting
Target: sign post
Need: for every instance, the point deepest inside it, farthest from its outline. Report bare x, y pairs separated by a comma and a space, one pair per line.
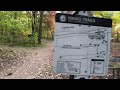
81, 45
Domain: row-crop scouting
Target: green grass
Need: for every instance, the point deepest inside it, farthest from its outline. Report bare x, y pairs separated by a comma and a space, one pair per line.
23, 45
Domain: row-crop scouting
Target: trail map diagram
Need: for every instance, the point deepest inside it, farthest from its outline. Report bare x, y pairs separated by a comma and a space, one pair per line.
81, 47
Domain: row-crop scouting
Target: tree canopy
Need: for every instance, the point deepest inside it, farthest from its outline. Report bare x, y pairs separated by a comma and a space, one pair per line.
24, 27
21, 27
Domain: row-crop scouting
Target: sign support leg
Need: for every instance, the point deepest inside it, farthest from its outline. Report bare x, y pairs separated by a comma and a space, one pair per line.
78, 77
71, 77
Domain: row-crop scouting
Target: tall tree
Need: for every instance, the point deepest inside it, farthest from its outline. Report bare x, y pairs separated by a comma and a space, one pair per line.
40, 28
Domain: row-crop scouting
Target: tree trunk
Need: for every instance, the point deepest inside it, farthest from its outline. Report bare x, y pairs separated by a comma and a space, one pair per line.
33, 29
40, 28
33, 21
117, 36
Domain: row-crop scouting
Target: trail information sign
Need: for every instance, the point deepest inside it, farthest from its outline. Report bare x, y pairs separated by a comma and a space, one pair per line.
81, 45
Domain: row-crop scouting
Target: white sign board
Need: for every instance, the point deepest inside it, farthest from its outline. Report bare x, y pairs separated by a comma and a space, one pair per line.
81, 45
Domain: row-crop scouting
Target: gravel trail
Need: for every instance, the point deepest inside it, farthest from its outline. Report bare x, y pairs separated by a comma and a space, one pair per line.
32, 65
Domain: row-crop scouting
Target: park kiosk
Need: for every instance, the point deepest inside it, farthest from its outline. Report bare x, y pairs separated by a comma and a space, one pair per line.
81, 45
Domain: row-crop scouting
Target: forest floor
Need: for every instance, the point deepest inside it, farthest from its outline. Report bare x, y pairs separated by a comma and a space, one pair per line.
33, 62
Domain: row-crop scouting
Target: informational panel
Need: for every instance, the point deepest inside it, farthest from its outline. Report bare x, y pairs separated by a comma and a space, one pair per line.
81, 45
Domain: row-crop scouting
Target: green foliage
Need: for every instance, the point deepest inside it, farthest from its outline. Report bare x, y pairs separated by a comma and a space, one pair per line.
115, 16
16, 26
103, 14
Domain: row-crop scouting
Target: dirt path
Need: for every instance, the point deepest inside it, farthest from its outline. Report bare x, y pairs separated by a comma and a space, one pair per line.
32, 64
